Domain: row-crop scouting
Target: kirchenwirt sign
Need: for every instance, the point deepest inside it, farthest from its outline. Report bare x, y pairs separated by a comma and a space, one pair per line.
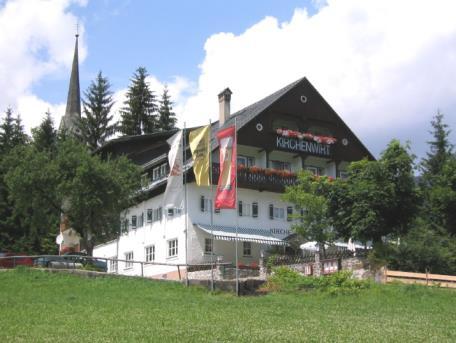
304, 142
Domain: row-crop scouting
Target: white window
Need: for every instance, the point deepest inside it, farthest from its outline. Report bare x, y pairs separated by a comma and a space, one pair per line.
313, 170
129, 259
246, 161
157, 214
141, 220
205, 204
244, 209
247, 248
208, 243
113, 264
276, 212
133, 222
289, 214
280, 165
163, 170
159, 172
343, 174
150, 253
254, 209
172, 248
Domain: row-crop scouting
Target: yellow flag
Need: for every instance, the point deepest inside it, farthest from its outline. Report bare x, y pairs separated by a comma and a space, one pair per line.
199, 140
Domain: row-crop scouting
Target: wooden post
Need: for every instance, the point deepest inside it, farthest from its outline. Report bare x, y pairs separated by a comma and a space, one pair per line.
179, 272
142, 269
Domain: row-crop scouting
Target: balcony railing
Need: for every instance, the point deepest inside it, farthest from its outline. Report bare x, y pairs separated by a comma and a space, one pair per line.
259, 178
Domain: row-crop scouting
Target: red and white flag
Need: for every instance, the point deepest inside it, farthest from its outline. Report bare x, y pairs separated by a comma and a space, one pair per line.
226, 187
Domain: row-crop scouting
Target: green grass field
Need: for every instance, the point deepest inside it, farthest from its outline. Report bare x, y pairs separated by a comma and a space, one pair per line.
36, 306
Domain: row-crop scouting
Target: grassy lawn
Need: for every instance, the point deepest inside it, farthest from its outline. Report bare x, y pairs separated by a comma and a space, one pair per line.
36, 306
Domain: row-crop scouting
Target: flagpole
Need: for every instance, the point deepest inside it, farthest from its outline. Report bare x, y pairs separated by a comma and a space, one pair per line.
211, 208
236, 209
184, 153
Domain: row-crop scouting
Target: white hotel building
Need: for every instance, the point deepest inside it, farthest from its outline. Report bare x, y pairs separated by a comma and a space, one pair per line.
274, 142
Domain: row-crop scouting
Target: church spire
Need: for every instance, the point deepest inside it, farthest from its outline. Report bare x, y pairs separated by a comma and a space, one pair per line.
73, 107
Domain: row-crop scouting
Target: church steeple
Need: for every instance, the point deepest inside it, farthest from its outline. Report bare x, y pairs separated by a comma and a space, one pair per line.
73, 107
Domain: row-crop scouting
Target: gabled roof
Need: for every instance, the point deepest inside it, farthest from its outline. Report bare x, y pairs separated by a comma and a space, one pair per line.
245, 115
248, 113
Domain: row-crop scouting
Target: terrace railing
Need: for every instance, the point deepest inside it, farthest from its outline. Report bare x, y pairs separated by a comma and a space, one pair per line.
259, 178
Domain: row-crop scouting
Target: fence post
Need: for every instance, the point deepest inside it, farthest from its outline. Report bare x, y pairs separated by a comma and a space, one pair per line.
142, 269
427, 276
14, 261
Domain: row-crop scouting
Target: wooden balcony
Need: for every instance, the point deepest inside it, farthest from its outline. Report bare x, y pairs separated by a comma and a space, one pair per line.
259, 178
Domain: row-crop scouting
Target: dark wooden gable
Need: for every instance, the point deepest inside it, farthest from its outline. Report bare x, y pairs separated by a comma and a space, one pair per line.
303, 105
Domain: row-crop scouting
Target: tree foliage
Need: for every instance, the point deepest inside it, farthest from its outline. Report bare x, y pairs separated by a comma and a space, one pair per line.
95, 125
167, 118
311, 196
379, 198
95, 190
45, 135
440, 149
11, 232
139, 115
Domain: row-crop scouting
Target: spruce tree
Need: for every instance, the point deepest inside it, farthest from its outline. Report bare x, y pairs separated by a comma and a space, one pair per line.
95, 125
167, 118
7, 129
440, 149
12, 135
45, 135
138, 116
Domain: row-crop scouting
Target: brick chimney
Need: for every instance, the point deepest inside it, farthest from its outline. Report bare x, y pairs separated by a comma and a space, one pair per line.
224, 105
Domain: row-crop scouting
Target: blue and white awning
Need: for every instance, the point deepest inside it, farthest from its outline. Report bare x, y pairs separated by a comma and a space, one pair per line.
228, 233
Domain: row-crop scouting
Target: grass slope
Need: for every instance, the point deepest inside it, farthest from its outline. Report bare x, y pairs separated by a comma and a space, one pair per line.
36, 306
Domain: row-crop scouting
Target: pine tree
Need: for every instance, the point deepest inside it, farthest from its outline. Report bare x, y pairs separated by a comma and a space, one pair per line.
440, 149
7, 131
45, 135
167, 118
95, 126
139, 114
11, 135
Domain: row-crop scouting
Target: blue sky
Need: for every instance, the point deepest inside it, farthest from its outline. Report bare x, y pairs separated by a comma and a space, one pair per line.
385, 69
167, 37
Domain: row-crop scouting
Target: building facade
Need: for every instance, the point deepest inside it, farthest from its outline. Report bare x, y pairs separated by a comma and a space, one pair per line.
288, 131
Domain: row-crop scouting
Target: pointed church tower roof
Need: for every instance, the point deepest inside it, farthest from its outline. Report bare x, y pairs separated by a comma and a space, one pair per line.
73, 107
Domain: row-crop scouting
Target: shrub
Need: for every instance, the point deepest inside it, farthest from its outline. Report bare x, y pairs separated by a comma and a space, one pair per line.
286, 279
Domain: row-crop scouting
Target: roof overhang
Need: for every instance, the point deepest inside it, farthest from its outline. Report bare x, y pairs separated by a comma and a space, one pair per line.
229, 233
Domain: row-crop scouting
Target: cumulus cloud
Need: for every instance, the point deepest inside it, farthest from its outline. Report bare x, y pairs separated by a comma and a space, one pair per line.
34, 43
384, 66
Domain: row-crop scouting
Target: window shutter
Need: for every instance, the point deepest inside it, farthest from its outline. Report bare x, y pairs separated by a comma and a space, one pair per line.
271, 211
240, 208
202, 203
160, 214
289, 213
255, 210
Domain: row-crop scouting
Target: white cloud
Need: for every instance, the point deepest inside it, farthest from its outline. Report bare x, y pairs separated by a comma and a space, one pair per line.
35, 42
380, 64
31, 104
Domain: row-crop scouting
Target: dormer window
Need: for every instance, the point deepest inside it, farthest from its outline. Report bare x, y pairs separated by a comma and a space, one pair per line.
159, 172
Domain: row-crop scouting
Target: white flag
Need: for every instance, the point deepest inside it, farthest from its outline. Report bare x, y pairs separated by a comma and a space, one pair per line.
174, 193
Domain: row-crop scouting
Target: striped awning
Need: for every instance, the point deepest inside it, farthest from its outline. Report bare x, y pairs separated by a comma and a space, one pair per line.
228, 233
